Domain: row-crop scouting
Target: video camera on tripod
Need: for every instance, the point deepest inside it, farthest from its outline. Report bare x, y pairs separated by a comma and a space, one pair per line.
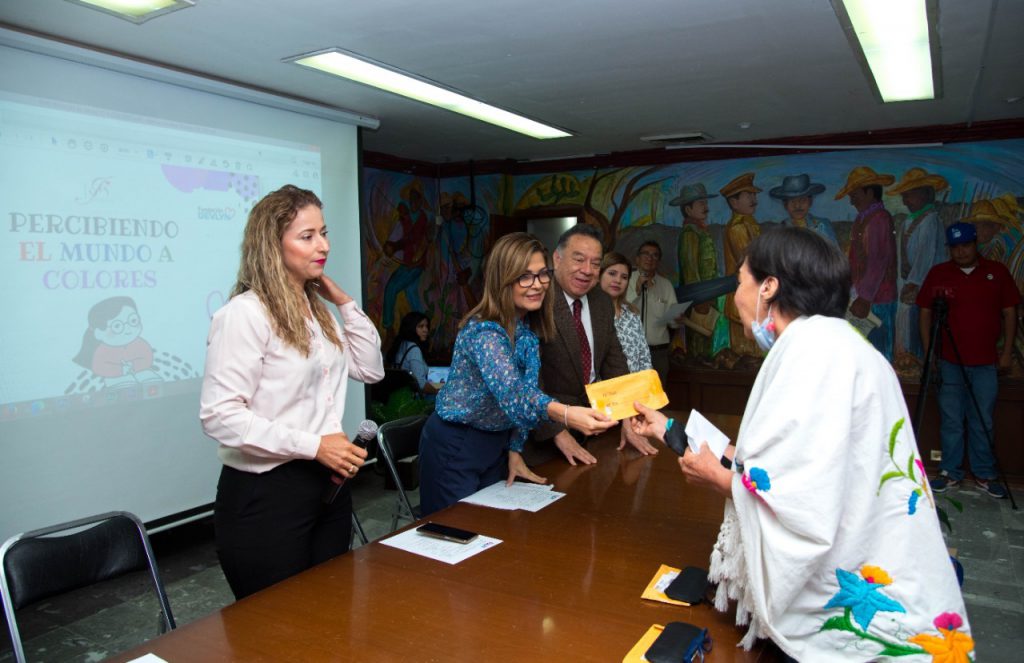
942, 299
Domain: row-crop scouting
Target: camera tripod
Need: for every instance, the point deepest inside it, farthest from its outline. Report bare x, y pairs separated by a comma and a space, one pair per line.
940, 329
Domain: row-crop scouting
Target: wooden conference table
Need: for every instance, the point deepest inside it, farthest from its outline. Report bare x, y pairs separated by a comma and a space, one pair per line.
564, 585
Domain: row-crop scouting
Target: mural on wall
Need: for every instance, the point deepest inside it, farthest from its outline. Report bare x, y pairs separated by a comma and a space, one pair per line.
886, 209
423, 250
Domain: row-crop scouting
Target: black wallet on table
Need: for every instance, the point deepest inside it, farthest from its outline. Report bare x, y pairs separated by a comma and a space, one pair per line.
690, 586
679, 641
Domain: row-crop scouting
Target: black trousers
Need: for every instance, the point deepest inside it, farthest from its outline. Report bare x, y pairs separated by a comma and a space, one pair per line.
273, 525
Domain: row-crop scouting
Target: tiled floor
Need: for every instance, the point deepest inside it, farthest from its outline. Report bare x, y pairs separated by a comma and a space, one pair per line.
90, 624
989, 540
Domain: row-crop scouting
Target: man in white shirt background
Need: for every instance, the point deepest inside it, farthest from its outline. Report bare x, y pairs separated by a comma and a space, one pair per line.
653, 294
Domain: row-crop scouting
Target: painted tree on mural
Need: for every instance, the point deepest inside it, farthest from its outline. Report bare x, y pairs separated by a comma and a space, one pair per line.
621, 191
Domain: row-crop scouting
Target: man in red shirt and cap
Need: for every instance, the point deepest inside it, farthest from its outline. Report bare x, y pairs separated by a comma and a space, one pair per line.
981, 299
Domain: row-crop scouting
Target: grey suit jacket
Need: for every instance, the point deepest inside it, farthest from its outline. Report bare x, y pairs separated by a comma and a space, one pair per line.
561, 373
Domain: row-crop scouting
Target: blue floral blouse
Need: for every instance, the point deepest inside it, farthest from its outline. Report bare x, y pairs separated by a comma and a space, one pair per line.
492, 386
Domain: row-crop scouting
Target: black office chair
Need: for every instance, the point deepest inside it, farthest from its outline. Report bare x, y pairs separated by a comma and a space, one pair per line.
400, 440
37, 565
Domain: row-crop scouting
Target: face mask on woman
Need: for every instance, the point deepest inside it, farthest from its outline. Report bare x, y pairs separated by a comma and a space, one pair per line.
763, 331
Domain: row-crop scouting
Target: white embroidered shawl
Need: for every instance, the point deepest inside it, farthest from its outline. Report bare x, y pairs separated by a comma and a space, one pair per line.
831, 544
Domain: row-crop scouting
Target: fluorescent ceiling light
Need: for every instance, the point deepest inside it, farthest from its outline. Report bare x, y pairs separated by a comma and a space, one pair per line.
136, 11
894, 38
385, 78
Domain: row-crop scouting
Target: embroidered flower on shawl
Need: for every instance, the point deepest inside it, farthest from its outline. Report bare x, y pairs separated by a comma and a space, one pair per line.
862, 596
952, 647
912, 503
875, 574
912, 470
757, 479
949, 621
861, 599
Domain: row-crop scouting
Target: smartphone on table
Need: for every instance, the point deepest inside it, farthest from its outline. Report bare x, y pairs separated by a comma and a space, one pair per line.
447, 533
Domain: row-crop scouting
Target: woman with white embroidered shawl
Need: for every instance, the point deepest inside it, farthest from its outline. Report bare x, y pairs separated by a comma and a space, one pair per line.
830, 544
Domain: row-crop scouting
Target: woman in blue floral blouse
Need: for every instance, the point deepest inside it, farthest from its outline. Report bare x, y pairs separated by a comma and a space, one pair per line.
615, 271
492, 400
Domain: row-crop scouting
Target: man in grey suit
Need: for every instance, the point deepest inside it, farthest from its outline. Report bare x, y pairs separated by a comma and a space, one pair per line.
585, 348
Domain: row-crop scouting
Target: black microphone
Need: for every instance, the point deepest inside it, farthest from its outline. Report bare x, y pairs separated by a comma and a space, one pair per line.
367, 431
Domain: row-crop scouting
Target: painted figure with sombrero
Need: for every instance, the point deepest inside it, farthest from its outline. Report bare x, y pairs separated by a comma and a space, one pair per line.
872, 254
742, 228
1008, 207
999, 228
698, 261
407, 245
921, 245
797, 194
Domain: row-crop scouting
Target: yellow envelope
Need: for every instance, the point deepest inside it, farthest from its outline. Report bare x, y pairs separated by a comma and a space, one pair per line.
651, 592
636, 654
615, 397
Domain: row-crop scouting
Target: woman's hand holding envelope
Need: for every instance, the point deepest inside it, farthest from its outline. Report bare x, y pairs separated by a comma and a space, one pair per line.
615, 396
583, 419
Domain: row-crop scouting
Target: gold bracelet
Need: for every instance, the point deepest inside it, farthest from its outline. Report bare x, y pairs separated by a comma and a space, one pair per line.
567, 416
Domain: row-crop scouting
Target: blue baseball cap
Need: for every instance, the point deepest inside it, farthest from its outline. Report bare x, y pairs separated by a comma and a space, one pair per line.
961, 233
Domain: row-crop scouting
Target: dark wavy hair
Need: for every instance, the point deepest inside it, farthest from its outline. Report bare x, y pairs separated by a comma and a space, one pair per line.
813, 274
406, 332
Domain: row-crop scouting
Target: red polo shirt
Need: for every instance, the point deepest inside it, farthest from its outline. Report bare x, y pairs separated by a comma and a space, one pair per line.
976, 302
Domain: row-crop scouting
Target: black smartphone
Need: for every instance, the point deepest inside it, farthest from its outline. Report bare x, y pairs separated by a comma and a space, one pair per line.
447, 533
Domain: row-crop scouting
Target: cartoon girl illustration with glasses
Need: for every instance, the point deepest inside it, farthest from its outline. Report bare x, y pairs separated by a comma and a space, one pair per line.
112, 347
